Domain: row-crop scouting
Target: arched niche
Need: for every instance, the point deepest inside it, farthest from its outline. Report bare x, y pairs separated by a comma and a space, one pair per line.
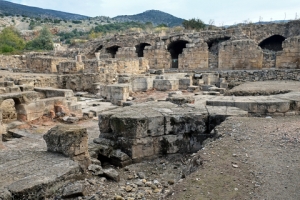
273, 43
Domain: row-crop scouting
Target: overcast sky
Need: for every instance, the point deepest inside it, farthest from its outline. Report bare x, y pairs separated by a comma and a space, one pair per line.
221, 11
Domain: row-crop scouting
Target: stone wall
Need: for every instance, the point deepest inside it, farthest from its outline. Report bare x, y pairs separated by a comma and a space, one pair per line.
126, 52
240, 54
260, 75
42, 64
13, 62
110, 68
269, 59
158, 56
194, 56
289, 58
70, 67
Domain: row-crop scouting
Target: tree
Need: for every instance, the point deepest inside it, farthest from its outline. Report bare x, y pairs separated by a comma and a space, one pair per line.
193, 24
42, 42
162, 25
11, 41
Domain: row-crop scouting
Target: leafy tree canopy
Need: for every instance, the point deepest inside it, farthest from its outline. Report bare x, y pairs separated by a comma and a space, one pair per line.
193, 24
42, 42
10, 41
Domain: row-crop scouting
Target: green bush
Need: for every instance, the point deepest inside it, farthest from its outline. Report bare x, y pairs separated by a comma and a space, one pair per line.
42, 42
118, 27
193, 24
76, 22
10, 41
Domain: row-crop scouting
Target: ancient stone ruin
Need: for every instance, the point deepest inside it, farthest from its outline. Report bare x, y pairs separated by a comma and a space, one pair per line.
133, 98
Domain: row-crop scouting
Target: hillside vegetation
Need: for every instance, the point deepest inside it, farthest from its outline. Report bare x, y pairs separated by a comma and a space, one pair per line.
156, 17
9, 9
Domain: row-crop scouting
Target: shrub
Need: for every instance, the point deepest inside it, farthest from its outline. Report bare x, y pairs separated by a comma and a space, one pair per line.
10, 40
42, 42
193, 24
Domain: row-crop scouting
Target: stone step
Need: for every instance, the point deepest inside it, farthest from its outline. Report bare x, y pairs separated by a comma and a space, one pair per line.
193, 88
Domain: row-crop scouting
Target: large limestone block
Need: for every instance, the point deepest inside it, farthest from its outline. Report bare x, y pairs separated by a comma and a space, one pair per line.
30, 111
71, 141
165, 85
119, 92
129, 124
104, 120
142, 84
184, 83
54, 92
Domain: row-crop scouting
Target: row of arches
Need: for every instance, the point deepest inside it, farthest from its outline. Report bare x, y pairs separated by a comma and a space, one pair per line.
114, 49
273, 43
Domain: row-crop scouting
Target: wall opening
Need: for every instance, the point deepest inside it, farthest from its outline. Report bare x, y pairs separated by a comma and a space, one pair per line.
140, 49
99, 48
213, 44
213, 48
273, 43
175, 49
112, 50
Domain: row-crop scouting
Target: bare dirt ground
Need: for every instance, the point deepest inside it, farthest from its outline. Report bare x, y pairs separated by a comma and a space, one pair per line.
257, 158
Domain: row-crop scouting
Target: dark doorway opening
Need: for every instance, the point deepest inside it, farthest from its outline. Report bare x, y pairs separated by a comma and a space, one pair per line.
112, 50
175, 49
273, 43
99, 48
213, 44
140, 49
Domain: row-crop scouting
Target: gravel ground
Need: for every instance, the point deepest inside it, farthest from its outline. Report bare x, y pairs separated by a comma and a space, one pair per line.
257, 158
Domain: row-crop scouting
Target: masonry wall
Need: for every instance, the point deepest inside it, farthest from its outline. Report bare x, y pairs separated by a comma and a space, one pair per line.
13, 62
240, 54
289, 58
261, 75
158, 56
110, 68
126, 52
194, 56
70, 67
43, 64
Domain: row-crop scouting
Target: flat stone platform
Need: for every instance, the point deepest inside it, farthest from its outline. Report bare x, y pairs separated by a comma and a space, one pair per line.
24, 171
281, 104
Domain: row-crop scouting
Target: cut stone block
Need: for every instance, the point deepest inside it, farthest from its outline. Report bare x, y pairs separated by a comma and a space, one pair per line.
71, 141
31, 111
185, 83
165, 85
54, 92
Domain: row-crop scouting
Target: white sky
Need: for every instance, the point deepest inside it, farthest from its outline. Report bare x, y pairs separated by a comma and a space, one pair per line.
222, 12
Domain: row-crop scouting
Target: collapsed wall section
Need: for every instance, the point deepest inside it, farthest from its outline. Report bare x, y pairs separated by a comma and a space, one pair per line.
194, 56
158, 56
289, 58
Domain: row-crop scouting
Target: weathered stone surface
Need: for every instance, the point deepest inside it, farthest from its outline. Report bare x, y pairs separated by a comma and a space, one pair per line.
70, 141
164, 85
5, 194
289, 57
74, 190
45, 169
180, 99
96, 169
112, 174
240, 54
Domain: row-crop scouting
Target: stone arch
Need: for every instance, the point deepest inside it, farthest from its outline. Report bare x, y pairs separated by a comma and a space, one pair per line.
213, 43
272, 43
112, 50
176, 48
140, 49
99, 48
213, 50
